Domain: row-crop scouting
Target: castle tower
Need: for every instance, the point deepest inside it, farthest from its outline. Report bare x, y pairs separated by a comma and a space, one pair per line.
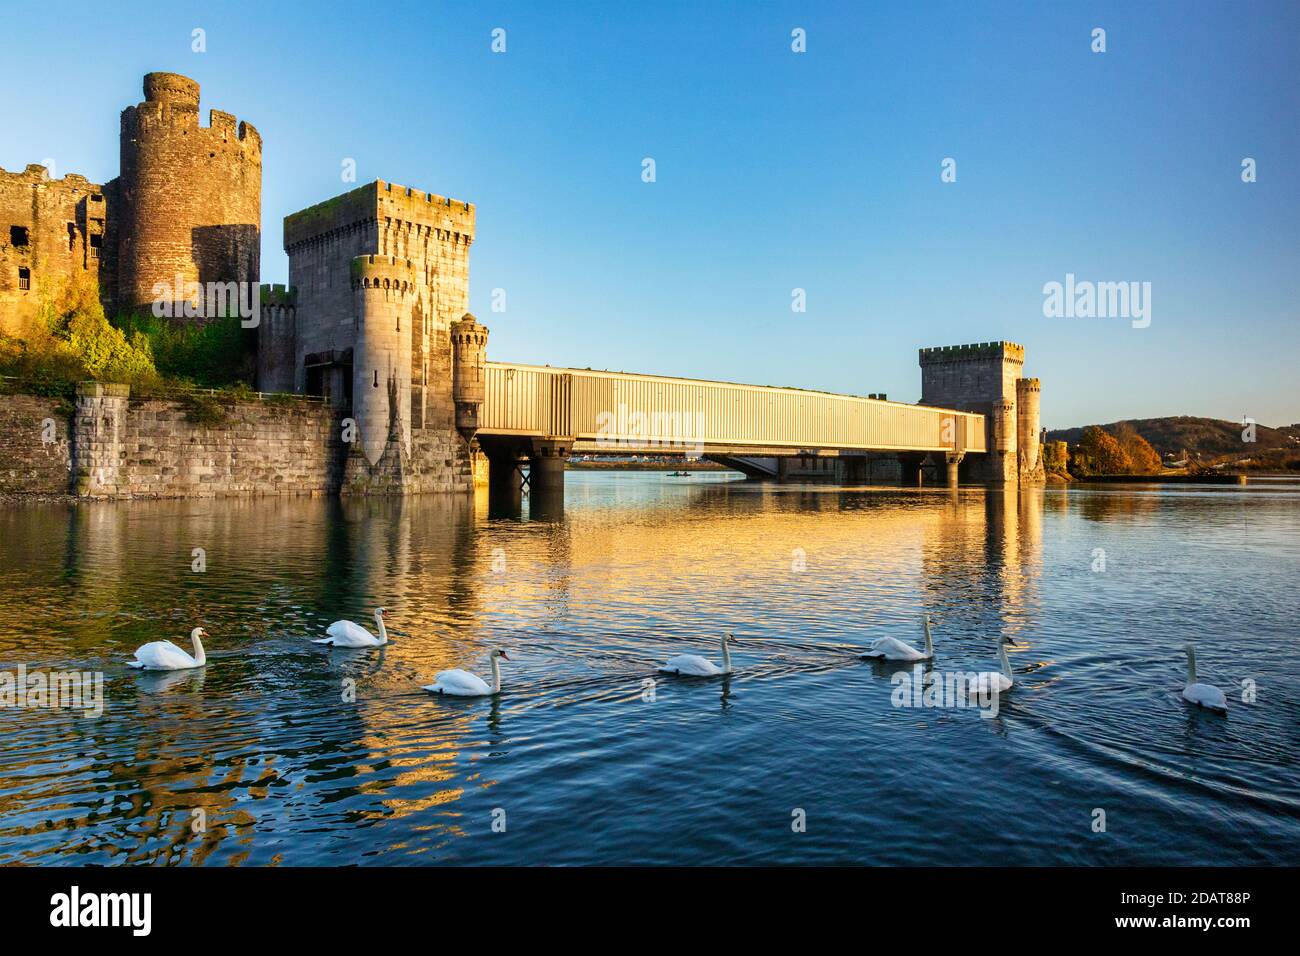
189, 197
469, 360
277, 339
982, 378
1028, 392
383, 289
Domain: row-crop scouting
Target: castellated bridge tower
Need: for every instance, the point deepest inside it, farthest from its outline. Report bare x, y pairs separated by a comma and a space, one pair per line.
985, 377
469, 375
383, 288
1028, 391
188, 200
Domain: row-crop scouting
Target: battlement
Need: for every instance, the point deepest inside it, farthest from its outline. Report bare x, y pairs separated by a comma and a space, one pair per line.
170, 88
278, 294
1029, 385
976, 350
382, 272
376, 201
468, 331
36, 174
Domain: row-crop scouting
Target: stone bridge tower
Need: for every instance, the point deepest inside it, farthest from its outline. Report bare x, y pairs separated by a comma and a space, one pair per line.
985, 377
188, 201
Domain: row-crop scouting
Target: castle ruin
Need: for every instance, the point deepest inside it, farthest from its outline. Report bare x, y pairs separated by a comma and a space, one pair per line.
184, 211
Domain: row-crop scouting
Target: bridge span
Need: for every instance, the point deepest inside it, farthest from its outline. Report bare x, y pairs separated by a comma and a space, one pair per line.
543, 415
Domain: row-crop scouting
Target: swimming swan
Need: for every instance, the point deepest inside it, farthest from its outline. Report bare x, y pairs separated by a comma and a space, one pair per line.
166, 656
693, 665
992, 681
1202, 695
347, 634
464, 684
892, 649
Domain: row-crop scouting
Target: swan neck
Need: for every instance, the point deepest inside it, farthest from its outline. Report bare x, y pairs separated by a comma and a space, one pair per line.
496, 675
929, 645
200, 655
726, 657
383, 631
1006, 664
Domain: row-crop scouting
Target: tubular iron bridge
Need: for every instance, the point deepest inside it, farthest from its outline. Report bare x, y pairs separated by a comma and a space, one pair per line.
625, 413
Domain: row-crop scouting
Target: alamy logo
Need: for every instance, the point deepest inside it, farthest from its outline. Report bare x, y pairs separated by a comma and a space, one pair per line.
658, 429
73, 909
56, 690
1098, 300
208, 300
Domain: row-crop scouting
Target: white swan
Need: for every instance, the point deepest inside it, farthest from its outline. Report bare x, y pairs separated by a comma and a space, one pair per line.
993, 681
892, 649
693, 665
464, 684
166, 656
347, 634
1203, 695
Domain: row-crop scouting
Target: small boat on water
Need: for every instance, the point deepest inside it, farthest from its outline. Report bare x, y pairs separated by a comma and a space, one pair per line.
679, 474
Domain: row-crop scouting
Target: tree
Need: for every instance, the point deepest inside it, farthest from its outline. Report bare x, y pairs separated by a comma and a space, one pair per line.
1099, 454
1142, 458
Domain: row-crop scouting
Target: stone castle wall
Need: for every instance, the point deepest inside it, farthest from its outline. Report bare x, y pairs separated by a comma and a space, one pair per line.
49, 229
114, 446
28, 463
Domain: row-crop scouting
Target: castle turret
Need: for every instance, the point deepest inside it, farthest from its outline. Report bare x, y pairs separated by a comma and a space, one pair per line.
469, 358
277, 339
384, 290
190, 196
1028, 391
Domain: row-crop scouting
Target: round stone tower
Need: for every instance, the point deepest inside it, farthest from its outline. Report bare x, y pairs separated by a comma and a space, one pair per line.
191, 199
1028, 393
468, 380
384, 293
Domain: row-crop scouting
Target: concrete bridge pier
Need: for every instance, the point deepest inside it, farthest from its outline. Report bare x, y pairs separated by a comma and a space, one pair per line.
953, 460
505, 478
546, 476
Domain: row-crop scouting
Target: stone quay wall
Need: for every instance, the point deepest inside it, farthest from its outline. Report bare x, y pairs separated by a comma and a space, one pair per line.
109, 444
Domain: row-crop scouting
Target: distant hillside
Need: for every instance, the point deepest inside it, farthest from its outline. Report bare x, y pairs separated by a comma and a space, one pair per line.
1203, 437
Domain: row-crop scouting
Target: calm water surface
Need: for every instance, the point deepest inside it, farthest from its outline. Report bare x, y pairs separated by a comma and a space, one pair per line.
643, 567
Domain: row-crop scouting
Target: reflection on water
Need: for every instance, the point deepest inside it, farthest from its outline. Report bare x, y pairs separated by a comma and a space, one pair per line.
281, 751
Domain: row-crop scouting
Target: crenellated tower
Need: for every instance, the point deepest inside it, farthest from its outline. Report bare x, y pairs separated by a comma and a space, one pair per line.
384, 293
188, 199
985, 377
469, 371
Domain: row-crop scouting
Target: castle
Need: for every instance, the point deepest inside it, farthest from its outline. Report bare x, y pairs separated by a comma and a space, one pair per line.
186, 205
374, 319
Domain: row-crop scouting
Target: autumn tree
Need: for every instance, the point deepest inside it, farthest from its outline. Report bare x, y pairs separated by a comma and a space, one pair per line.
1142, 458
1099, 454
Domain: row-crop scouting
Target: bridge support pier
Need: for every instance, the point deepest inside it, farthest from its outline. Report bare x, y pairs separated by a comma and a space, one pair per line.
953, 460
546, 477
911, 472
505, 482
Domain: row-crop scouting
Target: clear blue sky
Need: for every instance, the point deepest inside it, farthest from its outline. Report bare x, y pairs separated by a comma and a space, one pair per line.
775, 171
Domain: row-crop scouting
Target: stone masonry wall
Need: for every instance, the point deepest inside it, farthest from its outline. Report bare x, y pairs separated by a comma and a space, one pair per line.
28, 463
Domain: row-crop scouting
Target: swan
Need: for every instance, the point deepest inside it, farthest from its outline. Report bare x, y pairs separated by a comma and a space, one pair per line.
993, 681
892, 649
464, 684
693, 665
166, 656
347, 634
1202, 695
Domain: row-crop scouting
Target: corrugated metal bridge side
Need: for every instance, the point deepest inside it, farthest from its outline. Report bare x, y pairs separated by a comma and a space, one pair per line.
624, 412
